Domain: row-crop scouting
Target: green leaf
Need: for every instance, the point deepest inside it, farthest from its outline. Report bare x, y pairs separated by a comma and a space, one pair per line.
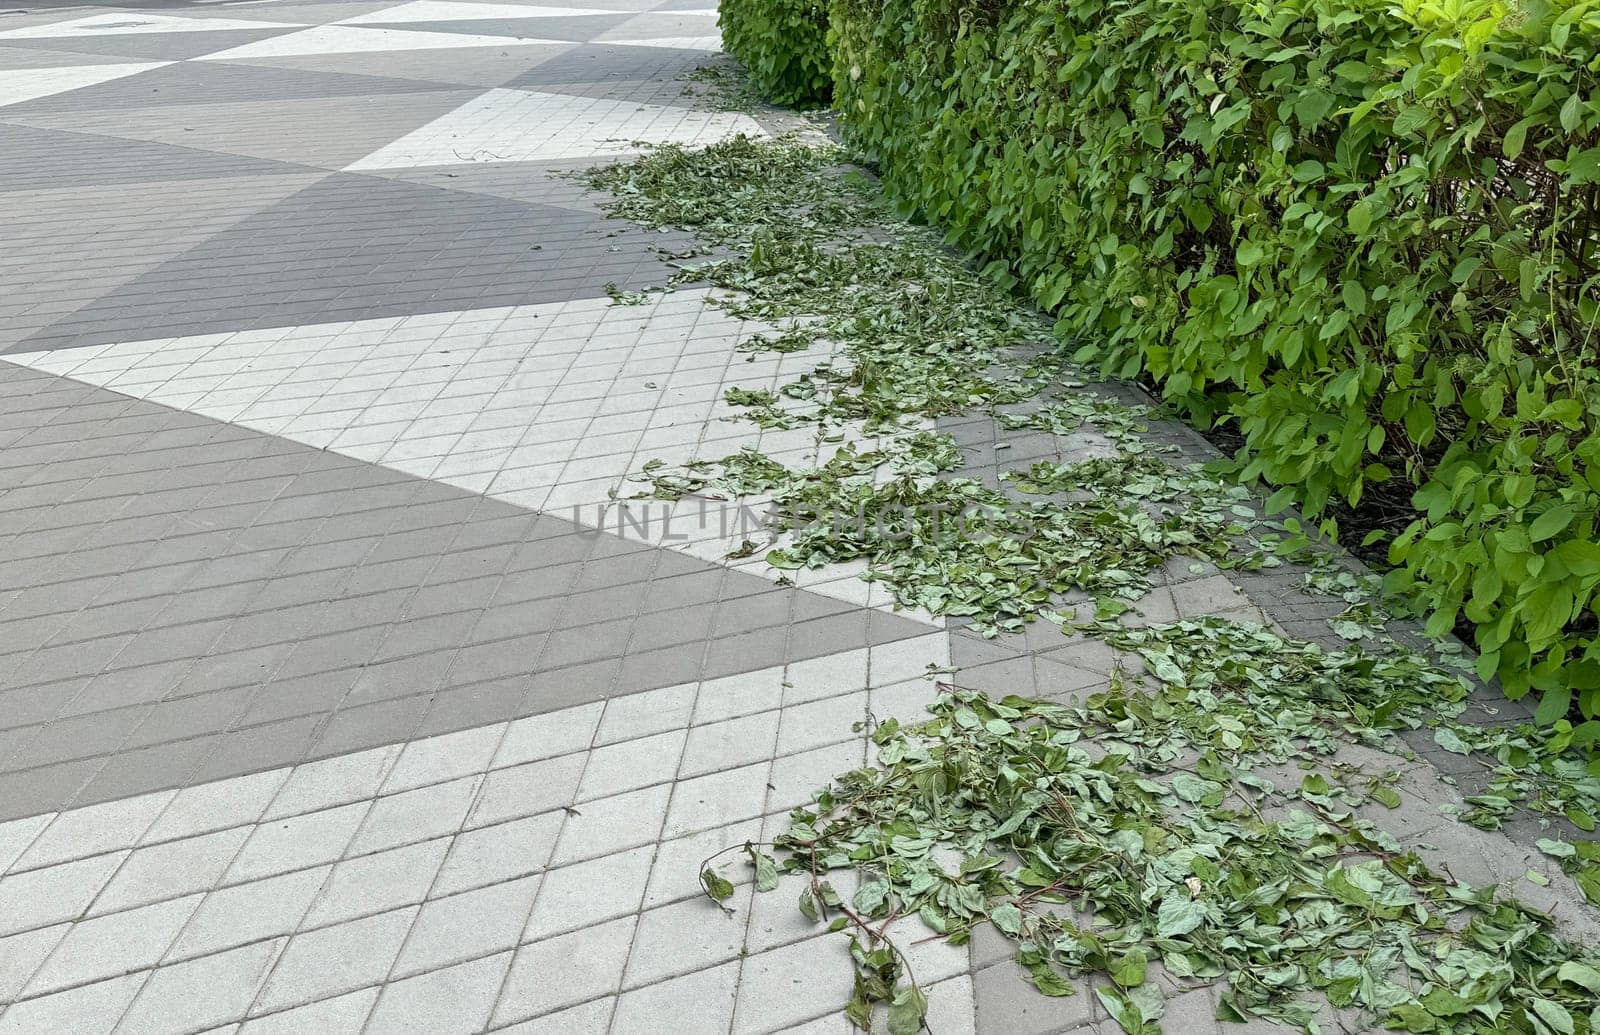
1553, 1015
715, 885
1178, 915
1556, 849
1129, 970
1451, 741
907, 1011
1580, 974
766, 868
1008, 918
1550, 524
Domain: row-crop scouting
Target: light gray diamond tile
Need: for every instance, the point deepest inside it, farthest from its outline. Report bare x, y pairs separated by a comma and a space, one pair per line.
248, 912
38, 898
17, 834
416, 815
466, 926
171, 869
109, 946
21, 955
699, 1003
78, 833
95, 1007
201, 992
732, 743
598, 889
566, 970
332, 960
692, 935
446, 757
217, 806
328, 782
341, 1015
452, 1001
307, 839
782, 987
716, 800
499, 852
631, 764
609, 825
639, 715
367, 884
547, 736
526, 790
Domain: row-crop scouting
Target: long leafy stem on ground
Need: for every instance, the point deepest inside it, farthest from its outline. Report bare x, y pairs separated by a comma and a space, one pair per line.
1151, 811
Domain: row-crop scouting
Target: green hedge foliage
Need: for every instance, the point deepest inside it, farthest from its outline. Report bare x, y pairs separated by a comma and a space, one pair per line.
1363, 232
783, 44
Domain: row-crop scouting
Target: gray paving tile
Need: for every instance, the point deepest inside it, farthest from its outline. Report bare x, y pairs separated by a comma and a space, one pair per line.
461, 66
148, 46
602, 62
329, 132
208, 82
75, 245
223, 667
359, 247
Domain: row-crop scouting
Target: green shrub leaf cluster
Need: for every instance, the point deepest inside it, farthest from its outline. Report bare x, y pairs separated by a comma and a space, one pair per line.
1364, 235
783, 45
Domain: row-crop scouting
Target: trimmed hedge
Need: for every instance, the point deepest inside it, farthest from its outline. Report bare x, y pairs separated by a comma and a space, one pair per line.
1363, 233
783, 45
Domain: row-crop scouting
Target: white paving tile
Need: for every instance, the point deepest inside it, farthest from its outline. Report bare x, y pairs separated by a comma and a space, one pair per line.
500, 852
306, 840
247, 912
525, 126
416, 815
17, 834
784, 987
609, 825
692, 935
631, 764
217, 806
21, 955
445, 757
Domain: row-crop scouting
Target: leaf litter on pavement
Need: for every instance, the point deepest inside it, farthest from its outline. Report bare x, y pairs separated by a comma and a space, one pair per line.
1145, 835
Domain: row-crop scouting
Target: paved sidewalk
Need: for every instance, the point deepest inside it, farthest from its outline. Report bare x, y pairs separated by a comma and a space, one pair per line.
331, 698
335, 693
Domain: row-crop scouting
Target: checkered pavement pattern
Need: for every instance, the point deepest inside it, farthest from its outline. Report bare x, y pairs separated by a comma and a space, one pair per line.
344, 688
